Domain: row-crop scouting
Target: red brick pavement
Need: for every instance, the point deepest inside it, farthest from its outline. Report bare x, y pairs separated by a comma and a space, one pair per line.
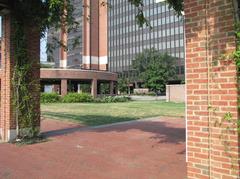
151, 149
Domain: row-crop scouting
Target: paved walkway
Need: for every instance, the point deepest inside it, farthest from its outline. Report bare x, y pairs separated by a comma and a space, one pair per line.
148, 149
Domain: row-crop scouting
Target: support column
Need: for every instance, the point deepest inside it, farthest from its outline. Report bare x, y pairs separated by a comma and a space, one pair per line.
212, 90
79, 88
94, 88
7, 119
64, 87
111, 88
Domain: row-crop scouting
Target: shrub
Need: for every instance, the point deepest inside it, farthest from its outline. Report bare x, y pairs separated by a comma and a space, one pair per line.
146, 94
46, 66
112, 99
50, 98
152, 94
77, 98
123, 85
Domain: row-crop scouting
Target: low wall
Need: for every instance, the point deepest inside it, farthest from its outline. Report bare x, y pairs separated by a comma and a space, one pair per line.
175, 93
148, 98
141, 91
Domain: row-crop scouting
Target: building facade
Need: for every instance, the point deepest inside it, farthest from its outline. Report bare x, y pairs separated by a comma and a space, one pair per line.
126, 39
108, 37
84, 42
80, 55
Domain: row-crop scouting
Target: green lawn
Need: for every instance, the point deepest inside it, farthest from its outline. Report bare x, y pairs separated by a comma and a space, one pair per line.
92, 114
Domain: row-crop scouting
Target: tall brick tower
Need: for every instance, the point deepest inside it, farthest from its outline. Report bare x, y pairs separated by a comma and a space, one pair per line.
95, 35
91, 52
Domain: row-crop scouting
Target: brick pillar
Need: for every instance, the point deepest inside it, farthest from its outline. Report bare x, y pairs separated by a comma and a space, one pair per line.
212, 93
103, 37
95, 35
94, 88
7, 123
64, 87
7, 119
111, 88
64, 40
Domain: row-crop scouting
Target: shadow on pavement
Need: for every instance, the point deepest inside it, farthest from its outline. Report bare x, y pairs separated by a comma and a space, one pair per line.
165, 131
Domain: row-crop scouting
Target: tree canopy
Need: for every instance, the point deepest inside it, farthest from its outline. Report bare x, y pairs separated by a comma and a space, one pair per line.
155, 69
177, 5
45, 13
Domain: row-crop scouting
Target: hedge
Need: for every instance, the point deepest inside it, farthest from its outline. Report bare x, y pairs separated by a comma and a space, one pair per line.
81, 98
50, 98
77, 98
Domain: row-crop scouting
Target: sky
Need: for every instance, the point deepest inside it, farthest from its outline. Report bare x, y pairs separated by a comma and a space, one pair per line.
43, 55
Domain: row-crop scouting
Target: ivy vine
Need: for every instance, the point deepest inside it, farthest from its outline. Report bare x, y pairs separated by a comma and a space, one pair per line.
237, 61
232, 126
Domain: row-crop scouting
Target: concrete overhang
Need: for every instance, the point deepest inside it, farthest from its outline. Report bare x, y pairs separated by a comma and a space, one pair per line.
58, 74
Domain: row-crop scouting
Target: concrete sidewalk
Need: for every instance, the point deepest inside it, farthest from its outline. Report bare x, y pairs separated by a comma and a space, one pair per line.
144, 149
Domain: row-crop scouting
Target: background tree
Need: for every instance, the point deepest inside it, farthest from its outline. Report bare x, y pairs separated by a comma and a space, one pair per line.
123, 85
104, 88
155, 69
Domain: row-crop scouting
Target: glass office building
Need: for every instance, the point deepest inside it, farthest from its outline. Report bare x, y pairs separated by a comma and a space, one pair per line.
126, 38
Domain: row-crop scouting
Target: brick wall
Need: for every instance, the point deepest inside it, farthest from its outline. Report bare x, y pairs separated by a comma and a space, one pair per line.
7, 123
212, 150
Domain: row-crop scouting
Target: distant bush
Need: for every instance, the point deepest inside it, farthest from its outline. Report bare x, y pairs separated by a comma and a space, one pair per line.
81, 98
50, 98
152, 94
46, 65
146, 94
112, 99
77, 98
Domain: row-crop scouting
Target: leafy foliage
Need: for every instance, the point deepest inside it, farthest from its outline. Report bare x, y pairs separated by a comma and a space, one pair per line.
50, 98
237, 61
77, 98
43, 13
46, 66
155, 69
177, 5
104, 88
81, 98
123, 85
113, 99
